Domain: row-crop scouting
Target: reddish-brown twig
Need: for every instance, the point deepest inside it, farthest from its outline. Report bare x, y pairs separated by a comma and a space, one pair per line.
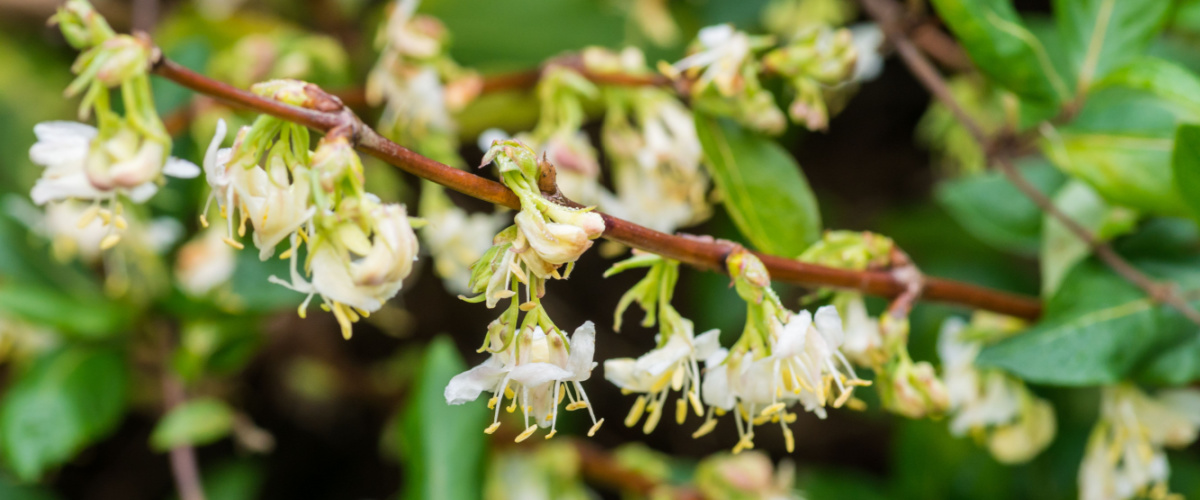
704, 255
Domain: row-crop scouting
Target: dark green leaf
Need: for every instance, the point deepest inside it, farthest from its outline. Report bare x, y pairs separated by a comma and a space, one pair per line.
196, 422
442, 450
1003, 48
1097, 329
1101, 35
1163, 79
995, 211
764, 189
68, 400
1185, 165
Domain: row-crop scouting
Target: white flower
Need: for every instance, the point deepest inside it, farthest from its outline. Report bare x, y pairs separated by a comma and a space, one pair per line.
534, 379
723, 52
867, 41
204, 263
804, 365
62, 225
277, 202
864, 341
671, 366
554, 242
354, 274
1125, 457
81, 167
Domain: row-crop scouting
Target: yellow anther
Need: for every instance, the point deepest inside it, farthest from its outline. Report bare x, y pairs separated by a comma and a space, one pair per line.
492, 402
120, 222
508, 393
301, 311
652, 419
203, 221
525, 435
578, 405
88, 216
771, 410
677, 379
595, 427
681, 408
842, 398
528, 306
788, 440
287, 254
233, 243
635, 413
110, 241
552, 433
512, 407
696, 406
492, 428
705, 428
856, 404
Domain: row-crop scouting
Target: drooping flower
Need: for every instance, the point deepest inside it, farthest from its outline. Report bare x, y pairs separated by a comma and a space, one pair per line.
674, 365
1125, 457
536, 371
990, 404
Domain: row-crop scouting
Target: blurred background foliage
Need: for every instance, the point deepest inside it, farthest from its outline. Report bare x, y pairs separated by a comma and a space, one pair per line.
292, 411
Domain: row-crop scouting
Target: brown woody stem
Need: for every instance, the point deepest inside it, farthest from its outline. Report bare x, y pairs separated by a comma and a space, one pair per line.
709, 255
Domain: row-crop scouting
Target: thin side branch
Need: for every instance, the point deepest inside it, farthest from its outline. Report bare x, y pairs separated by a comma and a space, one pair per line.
888, 14
701, 254
184, 467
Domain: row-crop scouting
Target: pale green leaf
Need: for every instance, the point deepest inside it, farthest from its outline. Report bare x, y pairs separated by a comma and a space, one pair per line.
1163, 79
1126, 169
197, 422
764, 189
1061, 249
992, 209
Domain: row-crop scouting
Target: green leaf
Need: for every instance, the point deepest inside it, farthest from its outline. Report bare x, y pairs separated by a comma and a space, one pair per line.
1126, 169
992, 209
1098, 329
1101, 35
66, 401
90, 317
197, 422
764, 189
1061, 249
1004, 48
1185, 165
441, 444
1163, 79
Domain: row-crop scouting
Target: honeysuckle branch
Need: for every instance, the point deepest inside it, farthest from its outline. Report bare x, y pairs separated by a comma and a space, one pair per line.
327, 114
889, 16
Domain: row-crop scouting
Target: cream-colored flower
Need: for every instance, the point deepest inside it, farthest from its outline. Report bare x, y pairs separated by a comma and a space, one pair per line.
723, 51
535, 375
671, 366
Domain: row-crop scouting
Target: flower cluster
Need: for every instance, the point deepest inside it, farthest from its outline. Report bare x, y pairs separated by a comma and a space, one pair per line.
991, 405
724, 65
359, 250
781, 359
532, 362
418, 84
126, 156
1125, 457
654, 152
674, 363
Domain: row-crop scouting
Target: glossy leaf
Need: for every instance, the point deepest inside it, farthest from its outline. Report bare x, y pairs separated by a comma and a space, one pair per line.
1163, 79
442, 451
995, 211
1101, 35
1098, 329
66, 401
1185, 165
764, 190
1003, 48
1061, 249
196, 422
1126, 169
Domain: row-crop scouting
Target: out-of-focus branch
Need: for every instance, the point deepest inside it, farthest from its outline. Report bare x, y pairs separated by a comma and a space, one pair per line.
599, 467
184, 467
888, 14
329, 115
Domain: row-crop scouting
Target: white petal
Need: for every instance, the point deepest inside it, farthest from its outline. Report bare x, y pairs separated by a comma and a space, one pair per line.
583, 351
792, 337
180, 168
659, 360
536, 374
707, 343
467, 385
143, 192
830, 325
622, 373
